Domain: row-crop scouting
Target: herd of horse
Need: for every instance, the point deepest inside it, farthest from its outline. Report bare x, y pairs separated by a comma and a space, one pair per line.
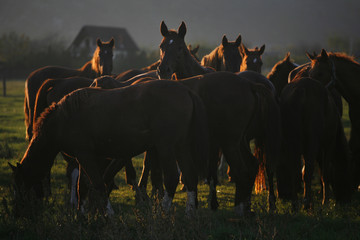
184, 114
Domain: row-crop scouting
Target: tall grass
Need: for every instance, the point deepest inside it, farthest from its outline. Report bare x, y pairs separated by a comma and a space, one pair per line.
57, 220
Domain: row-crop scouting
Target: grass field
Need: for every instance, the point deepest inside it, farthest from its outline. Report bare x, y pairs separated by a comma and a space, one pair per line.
58, 221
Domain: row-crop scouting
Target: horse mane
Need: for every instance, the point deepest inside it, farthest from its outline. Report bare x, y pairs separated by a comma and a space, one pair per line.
274, 69
343, 56
92, 66
212, 59
95, 60
42, 120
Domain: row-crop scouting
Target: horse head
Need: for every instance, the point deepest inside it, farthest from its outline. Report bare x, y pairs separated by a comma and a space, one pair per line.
103, 57
280, 72
172, 50
251, 58
24, 195
231, 55
321, 67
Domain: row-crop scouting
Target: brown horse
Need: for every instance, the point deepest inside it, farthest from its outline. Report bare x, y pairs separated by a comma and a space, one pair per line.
100, 64
312, 127
237, 110
175, 57
251, 58
343, 73
225, 57
154, 66
159, 114
131, 73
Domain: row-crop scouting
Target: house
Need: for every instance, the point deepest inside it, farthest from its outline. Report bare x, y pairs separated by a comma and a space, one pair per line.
85, 41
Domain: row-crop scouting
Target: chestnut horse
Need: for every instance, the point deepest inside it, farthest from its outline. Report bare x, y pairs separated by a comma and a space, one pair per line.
342, 72
163, 115
251, 58
225, 57
175, 57
100, 64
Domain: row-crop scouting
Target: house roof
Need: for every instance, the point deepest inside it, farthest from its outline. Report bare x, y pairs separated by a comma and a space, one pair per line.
121, 36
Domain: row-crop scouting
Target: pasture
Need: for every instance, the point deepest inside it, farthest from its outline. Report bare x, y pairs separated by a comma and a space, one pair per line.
56, 220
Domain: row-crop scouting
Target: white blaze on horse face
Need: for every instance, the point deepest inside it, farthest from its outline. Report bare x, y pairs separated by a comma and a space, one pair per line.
171, 41
255, 60
73, 191
166, 202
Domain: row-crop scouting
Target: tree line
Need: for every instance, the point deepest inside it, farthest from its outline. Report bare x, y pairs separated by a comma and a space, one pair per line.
20, 55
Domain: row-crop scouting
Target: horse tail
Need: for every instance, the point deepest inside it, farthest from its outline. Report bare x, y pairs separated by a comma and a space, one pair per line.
200, 135
268, 140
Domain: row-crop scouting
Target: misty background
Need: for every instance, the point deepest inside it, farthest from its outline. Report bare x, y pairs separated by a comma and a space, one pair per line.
282, 25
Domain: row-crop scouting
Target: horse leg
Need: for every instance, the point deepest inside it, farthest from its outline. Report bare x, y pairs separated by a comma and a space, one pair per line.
97, 193
310, 155
189, 177
244, 168
272, 198
171, 178
354, 143
213, 178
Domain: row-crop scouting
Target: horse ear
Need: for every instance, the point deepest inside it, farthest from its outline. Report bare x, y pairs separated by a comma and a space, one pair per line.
224, 41
196, 49
112, 41
287, 57
182, 30
262, 49
324, 54
244, 50
311, 57
163, 29
238, 41
98, 42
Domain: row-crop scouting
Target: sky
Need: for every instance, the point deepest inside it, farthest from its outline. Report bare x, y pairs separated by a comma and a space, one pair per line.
271, 22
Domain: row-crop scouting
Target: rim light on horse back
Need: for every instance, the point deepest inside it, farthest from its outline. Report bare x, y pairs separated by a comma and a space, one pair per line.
100, 64
80, 126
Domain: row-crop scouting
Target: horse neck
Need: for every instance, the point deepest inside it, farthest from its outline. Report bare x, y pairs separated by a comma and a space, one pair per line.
190, 66
347, 73
91, 68
214, 60
38, 159
88, 71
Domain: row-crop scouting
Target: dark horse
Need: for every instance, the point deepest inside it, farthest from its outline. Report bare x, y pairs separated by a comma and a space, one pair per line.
225, 57
100, 64
149, 70
312, 127
251, 58
280, 72
175, 57
228, 127
52, 91
342, 72
159, 114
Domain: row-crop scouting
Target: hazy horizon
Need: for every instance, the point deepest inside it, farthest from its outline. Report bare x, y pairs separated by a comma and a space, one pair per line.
273, 23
